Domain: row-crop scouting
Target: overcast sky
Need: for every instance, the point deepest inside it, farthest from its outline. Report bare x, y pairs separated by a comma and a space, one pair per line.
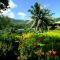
19, 8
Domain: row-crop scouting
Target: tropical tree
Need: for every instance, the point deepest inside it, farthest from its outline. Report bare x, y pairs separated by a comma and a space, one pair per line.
4, 22
40, 16
4, 4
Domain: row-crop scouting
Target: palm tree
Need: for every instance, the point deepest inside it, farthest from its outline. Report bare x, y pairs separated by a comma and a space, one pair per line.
40, 17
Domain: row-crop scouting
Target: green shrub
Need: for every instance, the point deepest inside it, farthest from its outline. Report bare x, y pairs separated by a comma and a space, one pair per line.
8, 46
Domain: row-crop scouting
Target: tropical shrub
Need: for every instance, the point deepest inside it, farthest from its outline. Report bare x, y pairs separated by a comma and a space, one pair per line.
8, 46
34, 45
30, 45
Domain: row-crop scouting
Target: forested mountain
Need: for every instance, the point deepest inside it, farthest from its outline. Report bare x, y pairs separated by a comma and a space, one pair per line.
6, 22
14, 21
18, 22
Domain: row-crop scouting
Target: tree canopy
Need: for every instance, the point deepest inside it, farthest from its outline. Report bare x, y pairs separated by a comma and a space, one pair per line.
4, 4
4, 22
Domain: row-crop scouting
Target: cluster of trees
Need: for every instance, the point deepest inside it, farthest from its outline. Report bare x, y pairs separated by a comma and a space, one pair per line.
4, 22
40, 15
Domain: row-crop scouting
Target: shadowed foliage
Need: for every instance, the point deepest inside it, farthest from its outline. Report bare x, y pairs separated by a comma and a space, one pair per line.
4, 4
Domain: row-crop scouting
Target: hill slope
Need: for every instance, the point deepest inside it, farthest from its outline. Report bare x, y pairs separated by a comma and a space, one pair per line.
19, 22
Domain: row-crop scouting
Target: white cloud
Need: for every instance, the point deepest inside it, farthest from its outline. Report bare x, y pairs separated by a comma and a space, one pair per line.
22, 15
12, 4
9, 12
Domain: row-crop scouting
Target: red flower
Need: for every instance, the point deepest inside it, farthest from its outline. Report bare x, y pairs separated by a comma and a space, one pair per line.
52, 52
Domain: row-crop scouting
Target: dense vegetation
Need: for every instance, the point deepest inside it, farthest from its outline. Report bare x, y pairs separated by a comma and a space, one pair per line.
21, 41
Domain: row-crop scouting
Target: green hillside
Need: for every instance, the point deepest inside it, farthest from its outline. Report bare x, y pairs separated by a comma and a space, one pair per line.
19, 22
57, 19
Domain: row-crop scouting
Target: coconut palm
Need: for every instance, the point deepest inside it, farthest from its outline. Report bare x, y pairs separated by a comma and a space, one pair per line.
40, 17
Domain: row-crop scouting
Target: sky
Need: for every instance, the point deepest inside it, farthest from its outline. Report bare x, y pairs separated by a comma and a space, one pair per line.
19, 8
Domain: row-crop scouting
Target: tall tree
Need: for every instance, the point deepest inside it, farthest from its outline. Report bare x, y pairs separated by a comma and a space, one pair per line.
4, 4
4, 22
40, 16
